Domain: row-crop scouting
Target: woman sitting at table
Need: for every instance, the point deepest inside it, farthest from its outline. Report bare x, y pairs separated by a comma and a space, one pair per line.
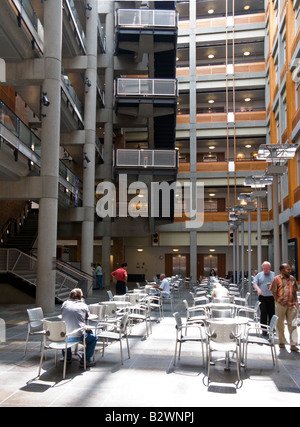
219, 291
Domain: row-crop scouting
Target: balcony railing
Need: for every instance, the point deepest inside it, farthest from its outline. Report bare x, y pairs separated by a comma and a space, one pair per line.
146, 87
20, 137
143, 18
146, 158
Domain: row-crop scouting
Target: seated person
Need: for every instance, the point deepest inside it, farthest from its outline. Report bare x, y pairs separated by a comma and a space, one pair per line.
219, 291
74, 313
164, 286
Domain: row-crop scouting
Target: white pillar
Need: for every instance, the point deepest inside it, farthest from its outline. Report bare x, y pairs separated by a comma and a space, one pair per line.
50, 135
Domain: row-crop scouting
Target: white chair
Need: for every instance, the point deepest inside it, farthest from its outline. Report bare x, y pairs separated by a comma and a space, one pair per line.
35, 324
119, 332
99, 311
2, 330
261, 340
242, 301
223, 336
156, 303
56, 338
110, 295
182, 337
141, 313
193, 313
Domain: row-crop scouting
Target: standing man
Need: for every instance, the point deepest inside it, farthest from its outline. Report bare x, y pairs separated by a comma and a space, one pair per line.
261, 283
121, 277
284, 288
99, 274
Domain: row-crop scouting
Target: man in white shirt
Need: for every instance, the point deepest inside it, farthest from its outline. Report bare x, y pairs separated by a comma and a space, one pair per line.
164, 286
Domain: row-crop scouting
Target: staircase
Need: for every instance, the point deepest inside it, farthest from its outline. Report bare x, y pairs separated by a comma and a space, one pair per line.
24, 267
24, 239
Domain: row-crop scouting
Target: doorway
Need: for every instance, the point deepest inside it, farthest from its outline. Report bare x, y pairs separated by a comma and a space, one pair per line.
179, 265
210, 261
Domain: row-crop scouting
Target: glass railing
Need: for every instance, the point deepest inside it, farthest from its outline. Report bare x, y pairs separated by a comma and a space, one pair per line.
25, 135
146, 158
146, 18
146, 87
76, 23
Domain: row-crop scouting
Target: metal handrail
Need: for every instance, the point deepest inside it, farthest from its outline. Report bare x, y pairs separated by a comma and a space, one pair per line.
25, 266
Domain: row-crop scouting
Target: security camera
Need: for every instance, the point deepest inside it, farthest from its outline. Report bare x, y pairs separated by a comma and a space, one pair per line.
86, 158
88, 82
45, 100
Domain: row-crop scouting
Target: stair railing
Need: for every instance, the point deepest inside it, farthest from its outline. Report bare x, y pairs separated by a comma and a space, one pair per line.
25, 266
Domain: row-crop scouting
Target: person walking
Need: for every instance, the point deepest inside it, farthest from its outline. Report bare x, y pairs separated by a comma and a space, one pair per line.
284, 288
121, 277
99, 275
261, 283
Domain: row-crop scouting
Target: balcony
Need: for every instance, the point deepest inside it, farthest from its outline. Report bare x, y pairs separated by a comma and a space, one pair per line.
145, 18
147, 159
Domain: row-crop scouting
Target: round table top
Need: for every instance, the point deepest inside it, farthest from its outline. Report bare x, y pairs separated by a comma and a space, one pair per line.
229, 320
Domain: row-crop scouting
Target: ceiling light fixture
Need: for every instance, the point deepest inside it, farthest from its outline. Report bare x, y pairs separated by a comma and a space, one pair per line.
247, 99
211, 147
248, 146
246, 53
211, 101
211, 56
210, 11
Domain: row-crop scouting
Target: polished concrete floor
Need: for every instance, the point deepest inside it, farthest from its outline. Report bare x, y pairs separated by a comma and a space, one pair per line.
148, 379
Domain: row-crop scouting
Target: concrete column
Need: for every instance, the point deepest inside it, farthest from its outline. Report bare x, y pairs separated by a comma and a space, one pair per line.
108, 135
87, 231
50, 135
259, 259
284, 241
276, 225
193, 137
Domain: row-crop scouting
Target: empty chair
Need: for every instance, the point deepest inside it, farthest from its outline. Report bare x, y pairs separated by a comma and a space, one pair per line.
196, 314
199, 300
35, 324
157, 303
223, 337
250, 313
118, 334
110, 295
242, 301
268, 340
99, 311
224, 300
182, 337
56, 338
141, 313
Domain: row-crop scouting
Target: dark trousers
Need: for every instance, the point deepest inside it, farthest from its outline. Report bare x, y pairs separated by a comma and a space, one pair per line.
267, 309
120, 288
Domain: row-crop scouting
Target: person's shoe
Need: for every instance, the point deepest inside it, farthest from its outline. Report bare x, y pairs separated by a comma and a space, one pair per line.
294, 348
281, 346
89, 363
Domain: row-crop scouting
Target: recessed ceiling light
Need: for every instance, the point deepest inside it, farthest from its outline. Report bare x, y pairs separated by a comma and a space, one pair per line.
140, 250
212, 250
211, 56
246, 53
211, 101
211, 194
210, 11
247, 99
248, 146
247, 7
211, 147
175, 250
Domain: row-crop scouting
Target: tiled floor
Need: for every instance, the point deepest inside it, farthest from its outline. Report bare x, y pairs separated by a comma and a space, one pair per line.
148, 379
